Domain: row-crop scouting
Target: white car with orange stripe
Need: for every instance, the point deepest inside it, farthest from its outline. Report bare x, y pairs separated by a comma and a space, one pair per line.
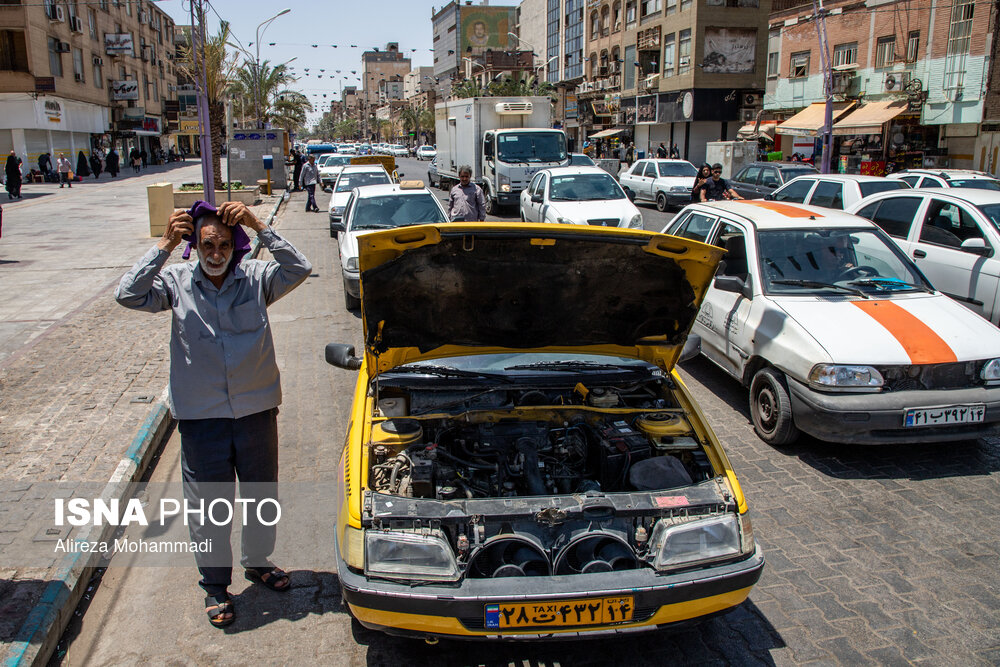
836, 332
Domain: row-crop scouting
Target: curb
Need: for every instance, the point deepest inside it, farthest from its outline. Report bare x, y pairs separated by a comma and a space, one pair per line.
37, 638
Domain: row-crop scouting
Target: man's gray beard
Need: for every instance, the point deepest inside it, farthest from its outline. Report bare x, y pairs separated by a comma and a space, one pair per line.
211, 271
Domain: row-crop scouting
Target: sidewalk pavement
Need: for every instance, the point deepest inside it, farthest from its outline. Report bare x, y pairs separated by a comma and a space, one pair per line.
79, 374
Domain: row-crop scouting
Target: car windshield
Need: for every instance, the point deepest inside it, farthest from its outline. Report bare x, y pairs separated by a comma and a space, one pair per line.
337, 161
584, 187
794, 172
811, 261
975, 183
871, 187
526, 361
680, 169
580, 161
531, 147
348, 182
396, 211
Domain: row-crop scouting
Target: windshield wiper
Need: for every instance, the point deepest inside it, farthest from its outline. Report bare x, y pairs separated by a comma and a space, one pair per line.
875, 282
445, 371
373, 225
820, 285
566, 366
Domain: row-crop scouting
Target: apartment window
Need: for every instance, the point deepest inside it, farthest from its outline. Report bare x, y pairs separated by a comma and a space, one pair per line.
616, 15
684, 52
799, 65
104, 5
773, 60
885, 51
128, 7
685, 5
845, 54
630, 14
671, 7
605, 20
630, 68
98, 74
13, 51
146, 89
669, 47
912, 46
92, 23
156, 91
959, 35
595, 26
650, 7
55, 57
78, 65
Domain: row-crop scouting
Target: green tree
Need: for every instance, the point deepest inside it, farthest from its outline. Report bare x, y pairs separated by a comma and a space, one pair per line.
427, 122
346, 129
264, 89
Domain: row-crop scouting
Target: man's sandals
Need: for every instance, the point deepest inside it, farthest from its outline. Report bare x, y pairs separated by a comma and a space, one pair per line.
272, 577
217, 606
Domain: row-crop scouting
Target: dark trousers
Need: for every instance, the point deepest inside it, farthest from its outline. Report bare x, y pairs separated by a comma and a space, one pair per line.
64, 179
311, 201
214, 453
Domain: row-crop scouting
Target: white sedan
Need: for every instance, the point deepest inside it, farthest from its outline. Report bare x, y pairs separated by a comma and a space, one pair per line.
426, 152
578, 196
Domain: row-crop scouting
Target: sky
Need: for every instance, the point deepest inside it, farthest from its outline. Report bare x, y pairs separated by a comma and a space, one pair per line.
364, 23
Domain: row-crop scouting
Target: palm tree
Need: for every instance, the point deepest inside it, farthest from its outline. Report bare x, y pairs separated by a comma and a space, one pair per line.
410, 118
264, 89
427, 122
219, 67
347, 128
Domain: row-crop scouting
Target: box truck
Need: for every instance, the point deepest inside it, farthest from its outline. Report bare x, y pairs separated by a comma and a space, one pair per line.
505, 140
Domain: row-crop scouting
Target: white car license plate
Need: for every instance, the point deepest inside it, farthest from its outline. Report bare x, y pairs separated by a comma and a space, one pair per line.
951, 414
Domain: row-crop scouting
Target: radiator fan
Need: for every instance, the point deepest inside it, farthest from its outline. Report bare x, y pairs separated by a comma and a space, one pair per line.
508, 556
596, 552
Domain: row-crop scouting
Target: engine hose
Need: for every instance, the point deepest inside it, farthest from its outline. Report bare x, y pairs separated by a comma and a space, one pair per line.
400, 460
533, 478
468, 464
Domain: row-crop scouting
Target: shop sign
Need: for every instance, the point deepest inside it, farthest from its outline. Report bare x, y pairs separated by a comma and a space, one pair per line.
118, 43
571, 108
189, 126
134, 113
151, 124
125, 90
53, 111
45, 84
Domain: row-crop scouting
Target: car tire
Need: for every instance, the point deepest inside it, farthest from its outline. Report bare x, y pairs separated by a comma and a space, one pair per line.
661, 202
350, 302
771, 408
491, 205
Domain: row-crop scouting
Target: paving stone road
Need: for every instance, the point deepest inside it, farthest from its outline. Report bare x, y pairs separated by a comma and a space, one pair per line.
883, 555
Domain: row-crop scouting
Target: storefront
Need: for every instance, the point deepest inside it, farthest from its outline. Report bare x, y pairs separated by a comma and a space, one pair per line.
802, 131
49, 124
140, 132
187, 139
884, 136
669, 118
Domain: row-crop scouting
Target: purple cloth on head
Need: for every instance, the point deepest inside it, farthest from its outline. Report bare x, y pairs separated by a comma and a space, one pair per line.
241, 242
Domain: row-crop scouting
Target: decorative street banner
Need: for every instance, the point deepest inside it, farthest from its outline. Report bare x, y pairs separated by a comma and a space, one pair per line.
730, 50
115, 43
125, 90
485, 28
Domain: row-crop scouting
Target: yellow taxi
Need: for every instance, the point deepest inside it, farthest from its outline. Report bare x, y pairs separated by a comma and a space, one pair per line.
522, 459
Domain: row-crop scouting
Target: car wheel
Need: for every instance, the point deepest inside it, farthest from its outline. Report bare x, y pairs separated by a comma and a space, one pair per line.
661, 202
333, 233
350, 302
771, 408
491, 205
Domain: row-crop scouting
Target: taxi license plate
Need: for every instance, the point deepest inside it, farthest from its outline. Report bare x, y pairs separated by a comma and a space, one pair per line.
952, 414
559, 613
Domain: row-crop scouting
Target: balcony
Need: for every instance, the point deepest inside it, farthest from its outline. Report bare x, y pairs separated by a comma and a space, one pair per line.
782, 5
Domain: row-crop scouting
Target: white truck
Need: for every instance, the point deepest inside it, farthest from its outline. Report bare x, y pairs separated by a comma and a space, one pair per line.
504, 139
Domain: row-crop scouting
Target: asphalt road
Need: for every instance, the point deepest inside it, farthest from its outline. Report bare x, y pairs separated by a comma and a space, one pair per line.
412, 169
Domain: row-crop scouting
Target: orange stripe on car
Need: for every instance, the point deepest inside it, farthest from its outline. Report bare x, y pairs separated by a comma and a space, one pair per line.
783, 209
920, 342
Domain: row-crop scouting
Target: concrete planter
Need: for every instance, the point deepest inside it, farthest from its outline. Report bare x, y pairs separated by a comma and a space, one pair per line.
187, 199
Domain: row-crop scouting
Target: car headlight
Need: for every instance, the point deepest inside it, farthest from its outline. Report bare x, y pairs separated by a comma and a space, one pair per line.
564, 221
400, 555
715, 538
352, 263
834, 376
635, 222
991, 371
680, 188
505, 187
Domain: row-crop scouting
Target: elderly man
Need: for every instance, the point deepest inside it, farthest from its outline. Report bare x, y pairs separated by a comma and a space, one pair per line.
224, 383
466, 202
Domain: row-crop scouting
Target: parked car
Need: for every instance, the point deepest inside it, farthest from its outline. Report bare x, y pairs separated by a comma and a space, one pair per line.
350, 177
331, 167
580, 160
399, 150
838, 191
951, 234
432, 173
520, 461
578, 196
666, 182
947, 178
373, 207
758, 179
836, 332
426, 152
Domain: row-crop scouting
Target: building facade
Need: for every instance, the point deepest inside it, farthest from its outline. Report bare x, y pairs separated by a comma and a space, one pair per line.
463, 33
84, 76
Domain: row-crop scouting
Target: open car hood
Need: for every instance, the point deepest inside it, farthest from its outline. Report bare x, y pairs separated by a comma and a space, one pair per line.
433, 291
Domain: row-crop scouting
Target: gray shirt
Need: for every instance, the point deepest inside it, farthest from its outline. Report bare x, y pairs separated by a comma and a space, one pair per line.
309, 175
222, 361
467, 204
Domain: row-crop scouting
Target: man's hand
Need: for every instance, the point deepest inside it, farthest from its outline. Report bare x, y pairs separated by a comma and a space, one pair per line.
180, 224
237, 213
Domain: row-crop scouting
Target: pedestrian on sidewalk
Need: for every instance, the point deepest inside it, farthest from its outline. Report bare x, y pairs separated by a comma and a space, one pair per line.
675, 152
82, 166
296, 170
308, 179
12, 174
224, 382
65, 169
134, 159
466, 201
144, 156
112, 162
95, 165
661, 151
45, 167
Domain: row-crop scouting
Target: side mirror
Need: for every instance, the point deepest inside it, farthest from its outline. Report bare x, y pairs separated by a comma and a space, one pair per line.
401, 174
338, 226
341, 355
536, 198
976, 247
691, 349
734, 285
769, 197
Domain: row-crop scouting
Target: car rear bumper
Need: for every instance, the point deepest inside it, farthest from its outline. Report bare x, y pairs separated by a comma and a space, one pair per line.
877, 419
460, 612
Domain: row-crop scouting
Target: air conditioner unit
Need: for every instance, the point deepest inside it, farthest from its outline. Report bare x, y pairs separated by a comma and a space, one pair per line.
78, 77
76, 24
751, 100
98, 60
895, 82
62, 47
513, 108
840, 82
57, 13
748, 115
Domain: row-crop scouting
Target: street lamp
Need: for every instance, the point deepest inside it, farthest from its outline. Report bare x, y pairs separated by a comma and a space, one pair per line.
473, 63
545, 65
256, 76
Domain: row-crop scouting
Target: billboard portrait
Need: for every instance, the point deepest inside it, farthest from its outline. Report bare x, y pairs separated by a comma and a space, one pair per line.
730, 50
485, 28
645, 109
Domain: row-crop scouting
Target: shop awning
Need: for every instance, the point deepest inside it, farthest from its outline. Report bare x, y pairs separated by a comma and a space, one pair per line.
870, 118
606, 133
809, 121
765, 131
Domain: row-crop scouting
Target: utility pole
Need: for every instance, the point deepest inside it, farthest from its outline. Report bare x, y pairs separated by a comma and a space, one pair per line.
824, 55
201, 87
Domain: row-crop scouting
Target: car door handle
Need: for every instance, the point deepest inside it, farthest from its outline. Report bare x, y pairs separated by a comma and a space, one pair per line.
919, 253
